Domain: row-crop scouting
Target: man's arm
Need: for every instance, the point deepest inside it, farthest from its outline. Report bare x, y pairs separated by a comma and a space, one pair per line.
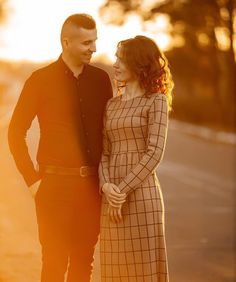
23, 115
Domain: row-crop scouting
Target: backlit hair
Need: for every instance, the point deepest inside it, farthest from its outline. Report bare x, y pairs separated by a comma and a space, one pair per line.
145, 60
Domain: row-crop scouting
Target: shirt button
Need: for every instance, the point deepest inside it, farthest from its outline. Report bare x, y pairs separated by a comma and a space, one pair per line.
83, 115
88, 151
86, 133
80, 99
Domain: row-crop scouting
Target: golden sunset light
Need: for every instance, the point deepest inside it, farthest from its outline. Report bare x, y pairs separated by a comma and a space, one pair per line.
32, 29
118, 140
223, 38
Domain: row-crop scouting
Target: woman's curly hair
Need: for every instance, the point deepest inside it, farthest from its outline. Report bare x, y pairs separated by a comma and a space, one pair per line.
145, 60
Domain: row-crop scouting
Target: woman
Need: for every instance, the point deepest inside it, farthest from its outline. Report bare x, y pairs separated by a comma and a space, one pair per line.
132, 238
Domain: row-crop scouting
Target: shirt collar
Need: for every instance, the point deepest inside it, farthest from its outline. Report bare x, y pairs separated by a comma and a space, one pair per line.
67, 70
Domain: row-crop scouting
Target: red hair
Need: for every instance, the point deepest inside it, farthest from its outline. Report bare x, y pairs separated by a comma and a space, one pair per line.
145, 60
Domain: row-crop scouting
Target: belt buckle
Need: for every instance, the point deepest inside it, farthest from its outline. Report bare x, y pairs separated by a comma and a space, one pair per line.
83, 171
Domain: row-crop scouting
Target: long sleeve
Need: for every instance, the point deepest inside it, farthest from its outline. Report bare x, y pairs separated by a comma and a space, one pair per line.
157, 133
23, 115
104, 163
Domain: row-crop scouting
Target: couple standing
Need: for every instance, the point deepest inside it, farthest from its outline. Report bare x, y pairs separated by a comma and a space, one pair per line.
76, 201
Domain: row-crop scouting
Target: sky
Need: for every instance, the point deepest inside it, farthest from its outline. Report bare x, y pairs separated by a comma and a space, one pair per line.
32, 29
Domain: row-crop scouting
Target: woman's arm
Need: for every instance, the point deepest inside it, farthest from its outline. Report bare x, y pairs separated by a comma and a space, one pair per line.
112, 193
157, 133
103, 170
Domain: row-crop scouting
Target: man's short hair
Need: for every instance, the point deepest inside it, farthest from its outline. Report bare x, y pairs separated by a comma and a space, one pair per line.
78, 20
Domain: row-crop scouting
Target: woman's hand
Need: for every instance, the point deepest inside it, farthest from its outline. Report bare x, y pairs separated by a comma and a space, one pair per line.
115, 213
113, 195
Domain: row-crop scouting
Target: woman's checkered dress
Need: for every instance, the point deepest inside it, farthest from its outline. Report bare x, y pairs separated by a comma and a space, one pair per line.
134, 141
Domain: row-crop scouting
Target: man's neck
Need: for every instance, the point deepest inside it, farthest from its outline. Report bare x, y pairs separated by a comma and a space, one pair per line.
76, 69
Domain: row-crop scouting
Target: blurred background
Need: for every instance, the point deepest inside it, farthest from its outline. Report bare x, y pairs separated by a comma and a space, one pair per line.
197, 174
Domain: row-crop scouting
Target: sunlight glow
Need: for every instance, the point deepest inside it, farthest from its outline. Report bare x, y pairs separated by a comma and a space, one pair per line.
222, 36
33, 30
203, 39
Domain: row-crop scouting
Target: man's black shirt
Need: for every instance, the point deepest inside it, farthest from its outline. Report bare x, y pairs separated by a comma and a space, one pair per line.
70, 113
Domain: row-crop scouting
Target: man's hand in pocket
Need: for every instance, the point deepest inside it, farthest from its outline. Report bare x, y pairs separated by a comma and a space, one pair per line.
34, 188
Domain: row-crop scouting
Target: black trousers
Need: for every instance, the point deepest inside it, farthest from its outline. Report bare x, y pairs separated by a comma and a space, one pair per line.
68, 215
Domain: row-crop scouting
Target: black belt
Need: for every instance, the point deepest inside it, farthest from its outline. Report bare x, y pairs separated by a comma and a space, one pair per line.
83, 171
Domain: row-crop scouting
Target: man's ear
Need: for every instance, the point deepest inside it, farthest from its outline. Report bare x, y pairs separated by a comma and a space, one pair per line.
65, 42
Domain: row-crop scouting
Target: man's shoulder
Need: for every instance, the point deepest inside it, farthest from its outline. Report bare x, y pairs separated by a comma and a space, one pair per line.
45, 70
40, 74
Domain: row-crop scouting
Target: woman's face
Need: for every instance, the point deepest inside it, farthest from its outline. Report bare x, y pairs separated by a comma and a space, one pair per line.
122, 72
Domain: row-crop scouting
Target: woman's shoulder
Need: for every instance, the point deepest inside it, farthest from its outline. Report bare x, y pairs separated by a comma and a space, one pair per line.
113, 99
158, 102
158, 96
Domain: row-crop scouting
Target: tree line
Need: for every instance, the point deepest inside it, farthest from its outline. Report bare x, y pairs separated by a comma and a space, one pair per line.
203, 68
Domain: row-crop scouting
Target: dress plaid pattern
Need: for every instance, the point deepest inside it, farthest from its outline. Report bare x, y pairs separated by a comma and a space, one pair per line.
134, 141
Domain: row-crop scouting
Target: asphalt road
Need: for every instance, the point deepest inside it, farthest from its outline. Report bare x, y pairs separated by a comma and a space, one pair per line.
199, 187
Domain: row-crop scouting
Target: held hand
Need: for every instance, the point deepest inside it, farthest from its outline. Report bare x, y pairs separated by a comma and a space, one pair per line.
113, 195
115, 213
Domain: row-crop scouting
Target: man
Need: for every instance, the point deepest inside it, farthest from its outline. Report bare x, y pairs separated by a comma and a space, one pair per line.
68, 97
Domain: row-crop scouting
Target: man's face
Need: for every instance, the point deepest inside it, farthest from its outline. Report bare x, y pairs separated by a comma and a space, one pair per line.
79, 44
